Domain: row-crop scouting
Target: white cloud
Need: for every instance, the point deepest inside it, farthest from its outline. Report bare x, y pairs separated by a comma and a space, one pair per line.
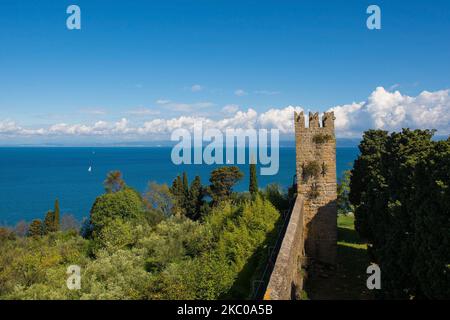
186, 107
196, 88
267, 92
240, 93
394, 86
230, 108
97, 112
382, 110
183, 107
8, 126
143, 112
162, 101
393, 111
99, 128
282, 119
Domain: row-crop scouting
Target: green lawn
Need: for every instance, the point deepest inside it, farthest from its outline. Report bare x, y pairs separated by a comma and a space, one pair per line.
348, 280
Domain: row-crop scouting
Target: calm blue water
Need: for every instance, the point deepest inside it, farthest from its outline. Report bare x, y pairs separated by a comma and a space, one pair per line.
32, 178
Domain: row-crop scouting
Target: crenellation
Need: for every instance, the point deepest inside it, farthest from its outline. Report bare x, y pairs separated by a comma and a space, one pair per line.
328, 120
314, 120
299, 119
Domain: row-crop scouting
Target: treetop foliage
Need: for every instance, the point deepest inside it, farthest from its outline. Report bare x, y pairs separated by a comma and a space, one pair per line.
114, 182
400, 190
222, 182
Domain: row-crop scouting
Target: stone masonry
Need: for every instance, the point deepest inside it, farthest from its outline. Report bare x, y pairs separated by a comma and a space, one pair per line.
286, 280
316, 183
311, 233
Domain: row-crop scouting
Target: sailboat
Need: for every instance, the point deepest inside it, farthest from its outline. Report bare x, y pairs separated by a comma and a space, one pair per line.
90, 169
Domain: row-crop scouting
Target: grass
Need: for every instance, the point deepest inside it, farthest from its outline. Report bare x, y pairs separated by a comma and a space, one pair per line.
348, 281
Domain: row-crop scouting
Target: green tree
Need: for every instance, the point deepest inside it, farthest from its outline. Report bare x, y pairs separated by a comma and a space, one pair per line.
432, 222
158, 197
6, 234
125, 204
222, 182
52, 219
343, 189
49, 222
179, 193
195, 203
399, 187
185, 183
275, 195
366, 174
114, 236
253, 187
177, 187
114, 182
36, 229
118, 275
57, 215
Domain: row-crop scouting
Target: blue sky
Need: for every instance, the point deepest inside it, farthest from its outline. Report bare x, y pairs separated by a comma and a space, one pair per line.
132, 57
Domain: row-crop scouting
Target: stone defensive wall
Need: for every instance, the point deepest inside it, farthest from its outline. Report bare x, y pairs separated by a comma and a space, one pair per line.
311, 232
286, 280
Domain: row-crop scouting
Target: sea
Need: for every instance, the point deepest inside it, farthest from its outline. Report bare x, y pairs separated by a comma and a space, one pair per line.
31, 178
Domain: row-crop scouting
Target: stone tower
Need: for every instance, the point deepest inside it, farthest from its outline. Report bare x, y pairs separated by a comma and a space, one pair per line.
316, 182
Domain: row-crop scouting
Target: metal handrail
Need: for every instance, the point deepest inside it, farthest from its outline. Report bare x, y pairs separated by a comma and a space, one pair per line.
285, 215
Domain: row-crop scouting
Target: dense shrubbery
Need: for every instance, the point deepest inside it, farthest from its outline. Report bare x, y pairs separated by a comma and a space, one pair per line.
35, 267
146, 247
400, 188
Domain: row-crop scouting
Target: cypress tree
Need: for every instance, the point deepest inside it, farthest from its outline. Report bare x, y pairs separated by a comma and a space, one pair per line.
35, 229
179, 195
185, 182
57, 215
179, 184
196, 195
253, 187
49, 222
176, 187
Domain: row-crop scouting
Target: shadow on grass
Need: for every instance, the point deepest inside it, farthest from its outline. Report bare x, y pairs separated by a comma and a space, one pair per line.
349, 236
348, 280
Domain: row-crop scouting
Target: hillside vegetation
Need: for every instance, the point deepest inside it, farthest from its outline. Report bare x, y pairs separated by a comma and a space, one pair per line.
169, 243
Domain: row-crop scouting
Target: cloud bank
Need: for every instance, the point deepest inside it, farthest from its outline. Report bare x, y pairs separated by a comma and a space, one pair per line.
393, 111
383, 109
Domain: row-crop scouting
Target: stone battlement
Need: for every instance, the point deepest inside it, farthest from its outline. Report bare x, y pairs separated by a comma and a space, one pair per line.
314, 121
